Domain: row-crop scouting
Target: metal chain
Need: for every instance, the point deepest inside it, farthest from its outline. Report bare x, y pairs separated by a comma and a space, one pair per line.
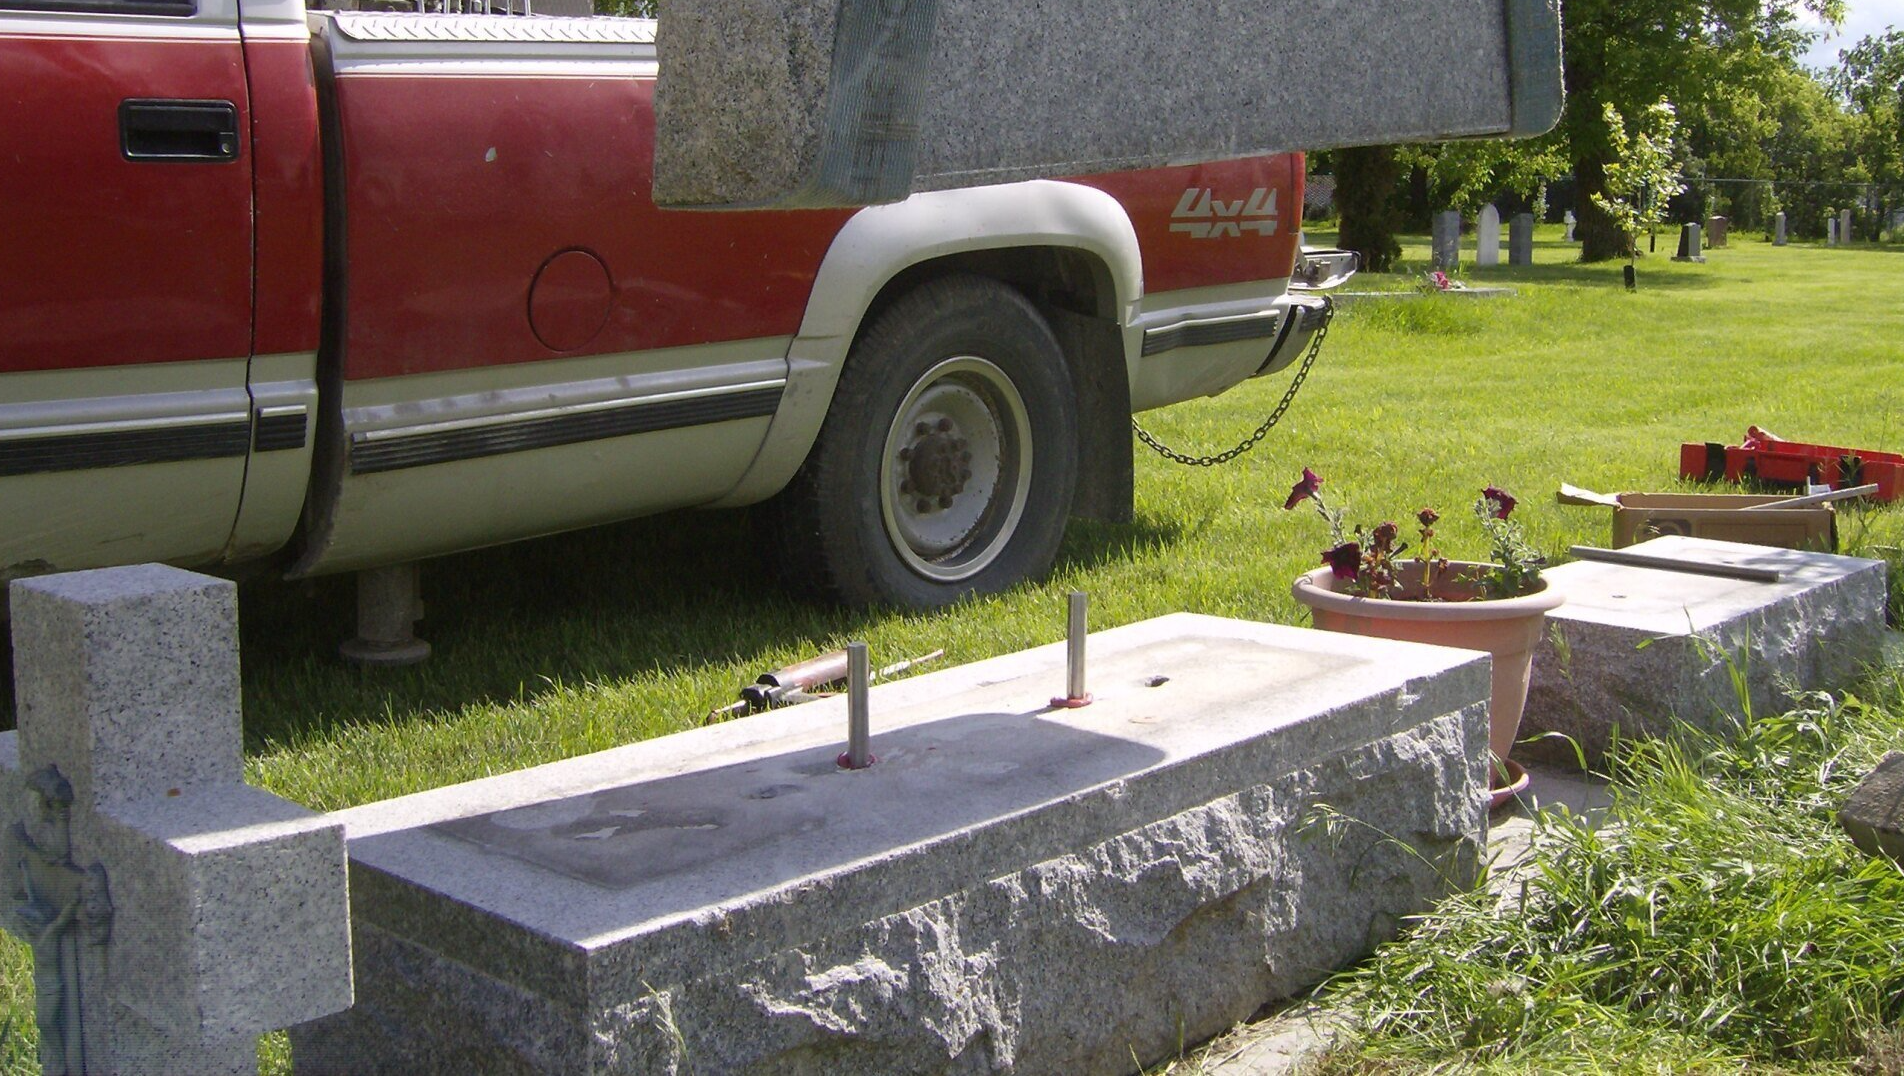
1275, 416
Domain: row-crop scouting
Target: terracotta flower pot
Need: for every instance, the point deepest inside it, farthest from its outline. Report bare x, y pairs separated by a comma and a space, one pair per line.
1507, 628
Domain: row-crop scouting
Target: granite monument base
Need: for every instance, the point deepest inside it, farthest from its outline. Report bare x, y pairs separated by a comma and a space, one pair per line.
1641, 649
1011, 887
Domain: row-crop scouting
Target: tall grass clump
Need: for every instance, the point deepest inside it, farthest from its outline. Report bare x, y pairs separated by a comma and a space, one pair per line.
1717, 918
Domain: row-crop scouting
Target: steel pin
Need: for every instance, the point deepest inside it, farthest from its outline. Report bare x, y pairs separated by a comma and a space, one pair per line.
1076, 632
859, 720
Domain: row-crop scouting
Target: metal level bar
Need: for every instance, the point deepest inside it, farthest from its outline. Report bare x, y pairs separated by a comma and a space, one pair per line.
1671, 564
1816, 498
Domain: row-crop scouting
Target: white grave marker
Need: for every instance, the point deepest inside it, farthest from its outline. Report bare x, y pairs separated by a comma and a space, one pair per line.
1488, 237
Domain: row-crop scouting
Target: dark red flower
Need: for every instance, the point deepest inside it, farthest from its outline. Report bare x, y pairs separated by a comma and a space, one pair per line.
1383, 537
1503, 501
1344, 560
1428, 517
1303, 490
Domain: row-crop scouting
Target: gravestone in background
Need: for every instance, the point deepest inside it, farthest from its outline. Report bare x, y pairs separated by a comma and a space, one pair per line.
1487, 237
1570, 221
810, 103
1778, 229
1844, 227
1716, 228
1520, 240
1445, 244
174, 912
1831, 228
1689, 248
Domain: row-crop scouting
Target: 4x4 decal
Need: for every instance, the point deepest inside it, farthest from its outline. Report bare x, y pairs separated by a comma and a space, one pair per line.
1202, 216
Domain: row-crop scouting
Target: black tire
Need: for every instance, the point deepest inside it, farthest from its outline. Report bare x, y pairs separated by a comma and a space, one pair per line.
948, 460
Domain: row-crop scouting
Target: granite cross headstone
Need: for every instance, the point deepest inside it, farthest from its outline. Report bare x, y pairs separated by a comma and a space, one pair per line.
174, 912
1446, 241
1487, 237
1778, 229
1520, 239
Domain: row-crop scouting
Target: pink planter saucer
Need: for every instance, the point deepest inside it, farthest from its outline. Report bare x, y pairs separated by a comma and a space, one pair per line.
1517, 780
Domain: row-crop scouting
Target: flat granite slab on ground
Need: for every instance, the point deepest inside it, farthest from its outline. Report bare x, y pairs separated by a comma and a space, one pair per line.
1639, 648
1011, 888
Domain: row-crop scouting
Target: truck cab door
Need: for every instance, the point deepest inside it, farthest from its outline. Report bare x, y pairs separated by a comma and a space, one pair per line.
125, 288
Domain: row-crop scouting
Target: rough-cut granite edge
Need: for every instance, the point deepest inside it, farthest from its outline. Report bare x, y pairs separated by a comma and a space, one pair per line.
1590, 677
1158, 936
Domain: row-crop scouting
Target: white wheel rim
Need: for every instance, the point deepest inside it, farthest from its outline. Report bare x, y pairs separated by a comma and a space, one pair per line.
955, 471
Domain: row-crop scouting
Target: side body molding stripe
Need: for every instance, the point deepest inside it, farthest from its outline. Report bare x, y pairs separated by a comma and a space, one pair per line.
398, 449
1220, 331
124, 448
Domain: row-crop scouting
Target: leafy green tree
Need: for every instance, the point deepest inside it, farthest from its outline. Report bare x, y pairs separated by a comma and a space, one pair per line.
1366, 179
1643, 172
1631, 53
1812, 153
1869, 79
1467, 175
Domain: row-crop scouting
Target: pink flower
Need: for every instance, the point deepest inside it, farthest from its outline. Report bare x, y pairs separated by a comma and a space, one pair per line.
1303, 490
1344, 560
1503, 501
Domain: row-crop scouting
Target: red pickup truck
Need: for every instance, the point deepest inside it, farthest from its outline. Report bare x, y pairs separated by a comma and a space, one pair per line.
343, 290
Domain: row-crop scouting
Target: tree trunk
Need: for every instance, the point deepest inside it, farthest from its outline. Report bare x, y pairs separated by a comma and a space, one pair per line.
1365, 179
1600, 236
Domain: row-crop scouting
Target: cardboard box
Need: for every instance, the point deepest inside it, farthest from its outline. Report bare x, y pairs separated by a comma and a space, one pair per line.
1641, 516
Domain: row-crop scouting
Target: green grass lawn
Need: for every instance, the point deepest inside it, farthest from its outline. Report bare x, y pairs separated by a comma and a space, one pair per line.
581, 642
577, 643
1716, 921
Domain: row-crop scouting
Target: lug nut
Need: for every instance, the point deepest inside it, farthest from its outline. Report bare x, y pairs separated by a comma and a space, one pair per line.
945, 501
921, 429
922, 506
945, 425
965, 457
905, 454
906, 486
965, 476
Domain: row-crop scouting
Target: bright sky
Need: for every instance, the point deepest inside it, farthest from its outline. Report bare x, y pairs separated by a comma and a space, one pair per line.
1862, 19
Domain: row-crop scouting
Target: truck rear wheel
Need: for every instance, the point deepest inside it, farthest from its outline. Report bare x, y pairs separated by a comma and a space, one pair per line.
949, 456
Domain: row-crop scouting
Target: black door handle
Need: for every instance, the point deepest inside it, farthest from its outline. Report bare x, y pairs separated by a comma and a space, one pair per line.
173, 130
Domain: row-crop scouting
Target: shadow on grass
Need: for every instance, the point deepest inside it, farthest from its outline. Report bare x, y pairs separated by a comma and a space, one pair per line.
1090, 543
658, 595
662, 595
1601, 274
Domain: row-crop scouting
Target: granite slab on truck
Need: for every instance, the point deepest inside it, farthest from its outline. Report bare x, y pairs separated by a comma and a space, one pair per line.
810, 103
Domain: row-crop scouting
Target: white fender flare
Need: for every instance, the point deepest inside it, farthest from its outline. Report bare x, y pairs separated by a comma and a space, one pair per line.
881, 242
